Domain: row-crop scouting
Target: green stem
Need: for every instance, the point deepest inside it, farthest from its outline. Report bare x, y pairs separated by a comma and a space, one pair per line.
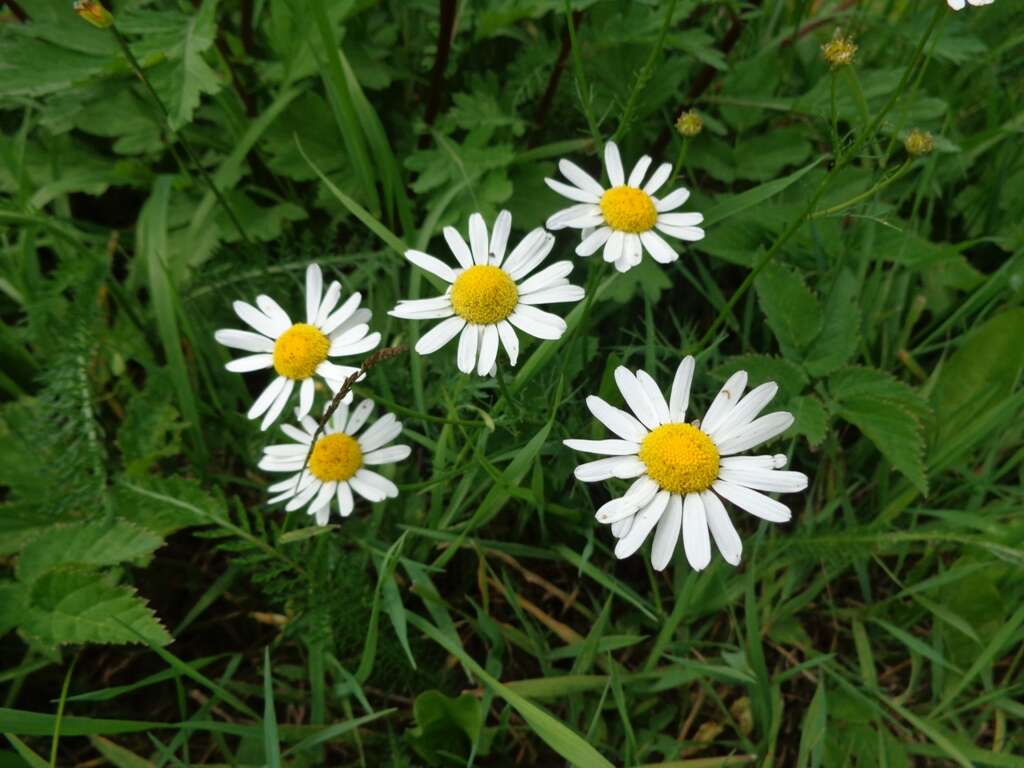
863, 195
581, 81
645, 74
137, 68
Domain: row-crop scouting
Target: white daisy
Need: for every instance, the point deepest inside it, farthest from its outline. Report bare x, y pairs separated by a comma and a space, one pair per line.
624, 217
958, 5
682, 469
338, 464
298, 351
490, 295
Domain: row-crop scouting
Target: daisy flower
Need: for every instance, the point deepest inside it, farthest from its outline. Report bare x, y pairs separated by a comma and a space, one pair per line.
299, 351
338, 464
490, 296
682, 469
958, 5
624, 217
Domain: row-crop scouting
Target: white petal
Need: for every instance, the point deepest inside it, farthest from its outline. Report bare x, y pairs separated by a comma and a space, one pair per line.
306, 392
278, 405
622, 467
550, 275
559, 294
724, 402
636, 176
623, 263
753, 502
469, 340
573, 193
593, 241
643, 523
244, 340
691, 234
667, 534
766, 461
424, 309
679, 400
579, 177
339, 417
632, 249
585, 221
335, 374
286, 450
660, 251
329, 303
251, 363
613, 164
345, 501
563, 218
957, 5
322, 500
359, 416
267, 397
431, 264
341, 314
499, 237
314, 290
672, 200
323, 514
359, 317
773, 480
681, 219
372, 486
621, 423
611, 512
488, 350
722, 529
359, 347
252, 316
388, 455
757, 432
660, 177
613, 246
439, 335
296, 434
348, 336
478, 238
744, 412
604, 447
621, 527
380, 433
458, 247
696, 541
636, 398
537, 322
303, 498
509, 340
521, 264
654, 396
273, 310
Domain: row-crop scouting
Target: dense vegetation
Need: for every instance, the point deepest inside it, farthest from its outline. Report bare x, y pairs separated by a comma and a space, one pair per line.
156, 611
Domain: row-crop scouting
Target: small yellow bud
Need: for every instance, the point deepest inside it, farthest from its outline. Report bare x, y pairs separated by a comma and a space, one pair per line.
839, 51
918, 143
689, 124
94, 13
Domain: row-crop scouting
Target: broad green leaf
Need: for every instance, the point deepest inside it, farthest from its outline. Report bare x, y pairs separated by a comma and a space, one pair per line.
443, 724
765, 156
738, 203
166, 504
790, 308
811, 419
893, 429
840, 331
812, 734
860, 381
76, 605
94, 543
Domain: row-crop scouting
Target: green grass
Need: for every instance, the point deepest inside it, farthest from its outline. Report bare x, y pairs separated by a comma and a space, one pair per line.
482, 617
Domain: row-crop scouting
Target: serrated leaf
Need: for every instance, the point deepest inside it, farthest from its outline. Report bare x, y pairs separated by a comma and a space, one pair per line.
168, 505
790, 308
860, 381
761, 368
13, 603
810, 418
76, 605
894, 431
840, 330
92, 543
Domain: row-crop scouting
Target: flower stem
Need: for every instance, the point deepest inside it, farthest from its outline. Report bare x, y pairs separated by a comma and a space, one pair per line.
581, 81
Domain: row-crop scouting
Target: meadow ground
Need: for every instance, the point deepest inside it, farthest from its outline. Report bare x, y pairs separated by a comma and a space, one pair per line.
854, 232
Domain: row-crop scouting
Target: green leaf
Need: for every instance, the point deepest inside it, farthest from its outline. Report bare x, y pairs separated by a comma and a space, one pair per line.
861, 381
94, 543
166, 504
812, 734
442, 723
730, 206
811, 419
893, 429
562, 739
765, 156
790, 308
76, 605
840, 331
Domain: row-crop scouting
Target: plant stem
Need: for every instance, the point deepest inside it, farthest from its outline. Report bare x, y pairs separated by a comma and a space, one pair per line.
644, 75
581, 81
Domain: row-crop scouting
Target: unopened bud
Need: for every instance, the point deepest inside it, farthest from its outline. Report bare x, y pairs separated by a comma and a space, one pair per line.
94, 13
918, 143
689, 124
839, 51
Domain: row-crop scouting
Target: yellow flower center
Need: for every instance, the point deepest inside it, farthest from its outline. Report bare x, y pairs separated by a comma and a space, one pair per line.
299, 350
484, 295
680, 458
628, 209
335, 458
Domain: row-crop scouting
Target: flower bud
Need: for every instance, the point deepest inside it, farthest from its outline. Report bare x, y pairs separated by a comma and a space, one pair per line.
689, 124
94, 12
918, 143
839, 51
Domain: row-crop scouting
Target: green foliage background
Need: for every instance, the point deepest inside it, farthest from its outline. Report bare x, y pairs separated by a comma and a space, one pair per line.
155, 612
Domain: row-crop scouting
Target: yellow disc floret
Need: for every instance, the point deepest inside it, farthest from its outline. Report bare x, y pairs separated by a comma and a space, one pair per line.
680, 458
335, 458
299, 350
484, 295
628, 209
